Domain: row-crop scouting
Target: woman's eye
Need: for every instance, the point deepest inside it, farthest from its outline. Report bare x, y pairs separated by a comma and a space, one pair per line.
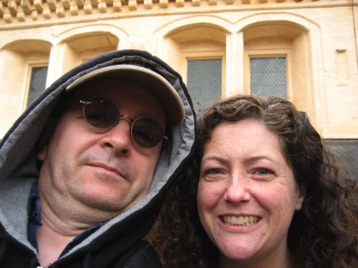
211, 171
263, 171
212, 174
263, 174
214, 171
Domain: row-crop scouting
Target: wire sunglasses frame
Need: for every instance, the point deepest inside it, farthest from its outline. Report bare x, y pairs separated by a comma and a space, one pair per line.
102, 113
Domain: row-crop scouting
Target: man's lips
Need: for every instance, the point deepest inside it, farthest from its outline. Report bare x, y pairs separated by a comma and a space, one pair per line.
106, 167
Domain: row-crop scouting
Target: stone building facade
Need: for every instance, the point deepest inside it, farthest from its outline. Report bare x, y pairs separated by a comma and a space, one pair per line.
220, 47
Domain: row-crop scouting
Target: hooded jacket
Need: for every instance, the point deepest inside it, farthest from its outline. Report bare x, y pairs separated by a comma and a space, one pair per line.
119, 242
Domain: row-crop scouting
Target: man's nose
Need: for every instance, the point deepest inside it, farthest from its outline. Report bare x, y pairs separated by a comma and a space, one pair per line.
118, 138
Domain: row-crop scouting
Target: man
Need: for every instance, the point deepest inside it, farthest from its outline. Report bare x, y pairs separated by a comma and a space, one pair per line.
84, 170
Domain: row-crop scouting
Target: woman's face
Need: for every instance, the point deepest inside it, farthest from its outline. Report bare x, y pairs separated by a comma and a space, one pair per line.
247, 195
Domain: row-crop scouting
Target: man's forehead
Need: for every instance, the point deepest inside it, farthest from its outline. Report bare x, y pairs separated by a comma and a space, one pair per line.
153, 82
113, 86
120, 93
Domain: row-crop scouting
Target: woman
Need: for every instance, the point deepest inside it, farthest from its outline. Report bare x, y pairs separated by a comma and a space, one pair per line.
267, 194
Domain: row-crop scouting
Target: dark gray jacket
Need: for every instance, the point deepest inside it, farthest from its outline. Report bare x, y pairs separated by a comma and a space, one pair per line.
119, 242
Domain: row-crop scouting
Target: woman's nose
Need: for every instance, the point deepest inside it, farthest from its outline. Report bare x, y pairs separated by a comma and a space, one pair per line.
237, 190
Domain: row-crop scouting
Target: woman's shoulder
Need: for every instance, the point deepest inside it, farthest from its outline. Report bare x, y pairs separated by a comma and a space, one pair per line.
144, 256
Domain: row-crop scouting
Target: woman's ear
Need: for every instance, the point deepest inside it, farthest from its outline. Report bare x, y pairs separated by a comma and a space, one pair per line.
301, 197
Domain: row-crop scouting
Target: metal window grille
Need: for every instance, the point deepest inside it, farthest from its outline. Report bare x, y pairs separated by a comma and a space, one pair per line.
37, 83
204, 82
268, 77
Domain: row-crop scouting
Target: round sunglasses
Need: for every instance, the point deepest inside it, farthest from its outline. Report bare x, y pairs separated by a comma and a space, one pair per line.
104, 114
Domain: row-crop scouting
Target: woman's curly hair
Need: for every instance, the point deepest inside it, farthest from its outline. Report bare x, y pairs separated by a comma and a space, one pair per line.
322, 234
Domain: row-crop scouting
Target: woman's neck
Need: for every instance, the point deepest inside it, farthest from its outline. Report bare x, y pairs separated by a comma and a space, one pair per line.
282, 261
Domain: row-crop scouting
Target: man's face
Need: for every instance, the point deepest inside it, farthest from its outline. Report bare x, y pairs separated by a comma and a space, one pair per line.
103, 172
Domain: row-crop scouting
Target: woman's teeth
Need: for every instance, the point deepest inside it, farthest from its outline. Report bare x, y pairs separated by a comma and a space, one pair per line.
241, 220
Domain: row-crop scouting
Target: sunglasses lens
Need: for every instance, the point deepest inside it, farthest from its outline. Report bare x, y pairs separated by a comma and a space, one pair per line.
146, 132
101, 113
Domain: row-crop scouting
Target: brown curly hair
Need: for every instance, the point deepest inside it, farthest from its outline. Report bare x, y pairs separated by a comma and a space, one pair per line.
320, 235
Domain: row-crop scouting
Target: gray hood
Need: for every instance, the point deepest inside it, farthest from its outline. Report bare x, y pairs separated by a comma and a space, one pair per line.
18, 155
